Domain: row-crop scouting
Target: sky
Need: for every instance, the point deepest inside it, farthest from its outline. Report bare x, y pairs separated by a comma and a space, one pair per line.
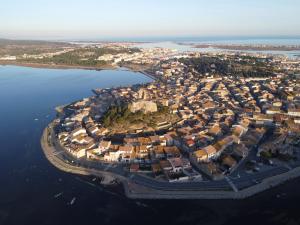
90, 19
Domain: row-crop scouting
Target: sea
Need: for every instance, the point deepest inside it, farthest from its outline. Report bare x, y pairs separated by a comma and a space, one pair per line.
33, 192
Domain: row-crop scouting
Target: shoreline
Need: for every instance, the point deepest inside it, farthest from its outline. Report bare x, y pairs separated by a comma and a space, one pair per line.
48, 66
52, 66
238, 47
134, 190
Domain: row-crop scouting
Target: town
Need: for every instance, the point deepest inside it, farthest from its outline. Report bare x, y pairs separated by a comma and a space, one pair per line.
200, 120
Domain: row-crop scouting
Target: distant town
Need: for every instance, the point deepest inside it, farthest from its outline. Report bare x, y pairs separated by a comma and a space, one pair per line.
210, 125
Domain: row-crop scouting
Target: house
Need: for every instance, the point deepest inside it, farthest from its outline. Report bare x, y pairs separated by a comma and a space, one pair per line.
112, 156
273, 110
103, 146
93, 130
141, 151
131, 141
156, 169
229, 162
208, 105
200, 155
154, 139
190, 143
101, 131
177, 165
63, 136
211, 151
211, 169
78, 151
163, 140
159, 152
91, 154
186, 164
78, 131
294, 112
134, 167
165, 165
263, 119
81, 139
239, 130
170, 138
90, 145
240, 150
225, 142
215, 130
145, 141
171, 151
126, 149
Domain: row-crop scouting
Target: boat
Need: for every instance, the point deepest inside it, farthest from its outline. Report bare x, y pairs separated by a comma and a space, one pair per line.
58, 195
141, 204
73, 201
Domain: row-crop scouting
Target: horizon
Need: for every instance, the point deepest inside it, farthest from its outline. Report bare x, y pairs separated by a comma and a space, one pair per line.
150, 39
56, 20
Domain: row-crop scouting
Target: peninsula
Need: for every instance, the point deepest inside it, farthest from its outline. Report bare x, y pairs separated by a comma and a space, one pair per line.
209, 126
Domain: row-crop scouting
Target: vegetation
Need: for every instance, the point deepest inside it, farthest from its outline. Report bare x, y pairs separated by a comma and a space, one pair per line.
207, 64
21, 47
266, 155
121, 115
243, 66
81, 57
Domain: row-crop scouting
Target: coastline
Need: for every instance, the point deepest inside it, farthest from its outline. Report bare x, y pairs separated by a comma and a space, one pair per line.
142, 70
237, 47
52, 66
136, 191
49, 151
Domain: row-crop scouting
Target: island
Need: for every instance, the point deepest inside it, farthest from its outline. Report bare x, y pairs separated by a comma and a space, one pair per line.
209, 126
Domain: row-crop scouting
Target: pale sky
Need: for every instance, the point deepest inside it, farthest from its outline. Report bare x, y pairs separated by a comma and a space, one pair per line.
84, 19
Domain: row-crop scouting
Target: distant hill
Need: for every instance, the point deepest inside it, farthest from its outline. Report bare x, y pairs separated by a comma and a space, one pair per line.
5, 42
31, 47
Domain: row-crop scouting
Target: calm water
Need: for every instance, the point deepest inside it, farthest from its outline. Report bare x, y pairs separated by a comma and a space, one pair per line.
29, 182
173, 44
289, 40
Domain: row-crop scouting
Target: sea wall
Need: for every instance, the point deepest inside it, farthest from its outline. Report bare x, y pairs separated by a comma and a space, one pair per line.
135, 191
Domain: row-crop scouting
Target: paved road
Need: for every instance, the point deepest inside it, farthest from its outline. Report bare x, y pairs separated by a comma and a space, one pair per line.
255, 178
240, 183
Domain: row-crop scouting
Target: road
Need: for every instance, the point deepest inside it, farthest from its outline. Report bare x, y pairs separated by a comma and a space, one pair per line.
238, 182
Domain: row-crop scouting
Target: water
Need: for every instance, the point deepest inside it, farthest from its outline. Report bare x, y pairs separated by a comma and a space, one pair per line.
29, 183
290, 40
173, 44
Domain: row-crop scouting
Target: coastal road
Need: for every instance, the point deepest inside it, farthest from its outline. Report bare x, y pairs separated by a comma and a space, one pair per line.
218, 185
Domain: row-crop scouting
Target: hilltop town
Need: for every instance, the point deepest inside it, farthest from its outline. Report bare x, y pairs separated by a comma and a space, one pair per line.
227, 118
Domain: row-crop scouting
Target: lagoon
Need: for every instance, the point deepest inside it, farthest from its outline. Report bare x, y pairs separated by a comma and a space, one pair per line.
32, 191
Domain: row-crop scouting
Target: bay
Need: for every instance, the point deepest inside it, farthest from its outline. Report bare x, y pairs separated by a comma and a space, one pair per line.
29, 183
